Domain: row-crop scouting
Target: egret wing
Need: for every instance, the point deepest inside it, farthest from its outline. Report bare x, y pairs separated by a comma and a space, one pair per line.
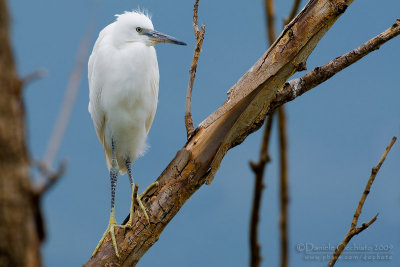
95, 89
154, 89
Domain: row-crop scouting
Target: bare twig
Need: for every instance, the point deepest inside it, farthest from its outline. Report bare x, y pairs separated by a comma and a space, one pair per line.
284, 195
270, 14
196, 54
293, 12
51, 176
299, 86
69, 99
354, 230
258, 170
35, 75
259, 167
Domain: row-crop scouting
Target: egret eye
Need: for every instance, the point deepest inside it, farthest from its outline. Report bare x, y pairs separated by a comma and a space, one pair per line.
139, 30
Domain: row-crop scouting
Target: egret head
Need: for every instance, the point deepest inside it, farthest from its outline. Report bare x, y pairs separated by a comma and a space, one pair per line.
137, 27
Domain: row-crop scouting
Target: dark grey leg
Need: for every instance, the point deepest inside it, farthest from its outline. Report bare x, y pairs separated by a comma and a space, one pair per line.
111, 223
128, 165
139, 200
113, 174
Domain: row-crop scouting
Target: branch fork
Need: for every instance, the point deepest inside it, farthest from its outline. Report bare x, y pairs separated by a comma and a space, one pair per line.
354, 230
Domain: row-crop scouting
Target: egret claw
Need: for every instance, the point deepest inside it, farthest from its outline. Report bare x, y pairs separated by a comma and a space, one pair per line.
110, 229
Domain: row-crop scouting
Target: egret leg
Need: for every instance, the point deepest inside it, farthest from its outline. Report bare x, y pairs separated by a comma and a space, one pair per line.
112, 222
139, 197
132, 209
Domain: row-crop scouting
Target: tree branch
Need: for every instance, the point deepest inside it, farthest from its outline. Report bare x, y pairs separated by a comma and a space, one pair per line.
293, 12
200, 158
258, 170
284, 195
51, 176
69, 99
270, 15
354, 230
299, 86
259, 167
196, 54
35, 75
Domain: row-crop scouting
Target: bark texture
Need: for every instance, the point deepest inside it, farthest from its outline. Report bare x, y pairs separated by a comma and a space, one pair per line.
247, 103
19, 242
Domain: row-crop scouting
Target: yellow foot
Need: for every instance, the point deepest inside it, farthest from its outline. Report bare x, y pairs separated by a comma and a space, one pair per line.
110, 230
155, 184
139, 200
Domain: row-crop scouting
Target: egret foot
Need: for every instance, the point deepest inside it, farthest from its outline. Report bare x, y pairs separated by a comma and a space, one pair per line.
155, 184
128, 225
139, 201
110, 230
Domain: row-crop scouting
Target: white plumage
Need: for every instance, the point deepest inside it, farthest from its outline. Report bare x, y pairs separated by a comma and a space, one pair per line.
123, 84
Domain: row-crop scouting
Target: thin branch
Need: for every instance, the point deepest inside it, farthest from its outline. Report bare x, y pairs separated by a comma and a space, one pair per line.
51, 176
196, 54
259, 167
354, 230
299, 86
270, 14
69, 99
258, 170
293, 12
35, 75
284, 195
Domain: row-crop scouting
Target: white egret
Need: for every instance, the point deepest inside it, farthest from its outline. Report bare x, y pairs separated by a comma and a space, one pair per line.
123, 91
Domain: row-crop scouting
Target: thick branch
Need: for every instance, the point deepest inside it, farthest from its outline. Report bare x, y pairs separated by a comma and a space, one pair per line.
354, 230
199, 159
196, 54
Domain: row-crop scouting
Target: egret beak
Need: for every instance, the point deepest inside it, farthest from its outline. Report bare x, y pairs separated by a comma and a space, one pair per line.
158, 37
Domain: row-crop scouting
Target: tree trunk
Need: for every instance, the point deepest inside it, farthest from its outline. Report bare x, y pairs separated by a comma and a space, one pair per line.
19, 238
